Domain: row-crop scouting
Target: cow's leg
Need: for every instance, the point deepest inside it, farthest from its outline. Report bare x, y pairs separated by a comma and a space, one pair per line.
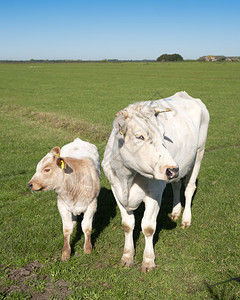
149, 222
177, 207
128, 223
190, 187
68, 225
87, 225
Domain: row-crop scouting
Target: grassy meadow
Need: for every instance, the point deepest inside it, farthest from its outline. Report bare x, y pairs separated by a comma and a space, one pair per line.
46, 105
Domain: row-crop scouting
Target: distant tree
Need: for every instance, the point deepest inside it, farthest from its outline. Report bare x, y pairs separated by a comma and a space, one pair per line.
170, 57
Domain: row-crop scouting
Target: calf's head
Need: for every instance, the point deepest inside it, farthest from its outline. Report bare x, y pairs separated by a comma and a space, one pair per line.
141, 143
48, 172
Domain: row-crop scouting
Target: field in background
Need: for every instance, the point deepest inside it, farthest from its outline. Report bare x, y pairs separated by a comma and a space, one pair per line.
46, 105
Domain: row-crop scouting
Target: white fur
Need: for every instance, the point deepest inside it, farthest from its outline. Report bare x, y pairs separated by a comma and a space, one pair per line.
80, 149
136, 167
77, 185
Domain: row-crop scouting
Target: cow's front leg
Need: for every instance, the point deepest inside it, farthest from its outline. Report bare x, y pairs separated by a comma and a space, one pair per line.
149, 222
177, 207
128, 223
68, 225
87, 226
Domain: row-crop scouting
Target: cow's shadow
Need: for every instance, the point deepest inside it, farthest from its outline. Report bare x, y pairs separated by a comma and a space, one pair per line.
164, 221
106, 210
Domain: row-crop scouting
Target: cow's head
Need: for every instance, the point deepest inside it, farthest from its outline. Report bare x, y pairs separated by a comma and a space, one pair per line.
48, 172
141, 142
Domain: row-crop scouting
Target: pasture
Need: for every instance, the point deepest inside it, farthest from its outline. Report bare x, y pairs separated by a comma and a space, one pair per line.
46, 105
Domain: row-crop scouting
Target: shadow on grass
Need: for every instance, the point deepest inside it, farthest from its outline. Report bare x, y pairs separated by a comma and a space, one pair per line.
106, 210
221, 291
163, 219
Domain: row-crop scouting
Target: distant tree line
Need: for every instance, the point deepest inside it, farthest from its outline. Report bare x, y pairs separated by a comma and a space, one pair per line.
170, 57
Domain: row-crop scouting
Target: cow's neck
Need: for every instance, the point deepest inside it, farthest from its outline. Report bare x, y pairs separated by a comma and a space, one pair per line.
125, 177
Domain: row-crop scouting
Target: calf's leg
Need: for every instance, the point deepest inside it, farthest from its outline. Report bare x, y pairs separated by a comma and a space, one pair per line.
68, 225
87, 226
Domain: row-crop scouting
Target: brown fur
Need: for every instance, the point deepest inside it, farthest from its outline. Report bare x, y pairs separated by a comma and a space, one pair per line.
126, 228
83, 181
73, 179
148, 231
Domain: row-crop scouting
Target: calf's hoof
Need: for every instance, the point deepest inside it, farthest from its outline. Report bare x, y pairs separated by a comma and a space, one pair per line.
65, 256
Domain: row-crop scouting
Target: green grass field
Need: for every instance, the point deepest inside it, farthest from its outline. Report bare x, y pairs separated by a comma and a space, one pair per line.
47, 105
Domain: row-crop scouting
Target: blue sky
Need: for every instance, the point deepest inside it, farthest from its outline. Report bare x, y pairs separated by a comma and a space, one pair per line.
96, 30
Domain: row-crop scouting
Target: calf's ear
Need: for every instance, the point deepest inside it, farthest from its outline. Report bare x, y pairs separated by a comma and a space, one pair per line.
61, 163
56, 151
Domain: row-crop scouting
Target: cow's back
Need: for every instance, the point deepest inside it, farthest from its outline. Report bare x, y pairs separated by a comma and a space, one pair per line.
184, 105
185, 127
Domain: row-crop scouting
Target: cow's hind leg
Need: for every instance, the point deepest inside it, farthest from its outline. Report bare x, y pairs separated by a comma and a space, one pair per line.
68, 225
87, 226
190, 187
149, 222
177, 207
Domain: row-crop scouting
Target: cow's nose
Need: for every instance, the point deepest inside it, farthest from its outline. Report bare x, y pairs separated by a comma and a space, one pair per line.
30, 185
172, 173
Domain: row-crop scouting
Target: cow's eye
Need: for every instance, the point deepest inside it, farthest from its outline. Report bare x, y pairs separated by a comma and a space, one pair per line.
47, 170
140, 137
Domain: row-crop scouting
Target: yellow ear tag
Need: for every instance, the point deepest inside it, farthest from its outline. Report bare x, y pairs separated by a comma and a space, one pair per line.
121, 132
62, 164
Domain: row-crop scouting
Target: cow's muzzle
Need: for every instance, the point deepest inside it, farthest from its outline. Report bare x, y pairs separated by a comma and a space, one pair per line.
172, 173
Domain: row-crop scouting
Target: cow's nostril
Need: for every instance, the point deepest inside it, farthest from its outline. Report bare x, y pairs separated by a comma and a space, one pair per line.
172, 173
30, 185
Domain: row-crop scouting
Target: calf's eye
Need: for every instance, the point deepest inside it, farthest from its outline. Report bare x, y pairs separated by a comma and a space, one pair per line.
46, 170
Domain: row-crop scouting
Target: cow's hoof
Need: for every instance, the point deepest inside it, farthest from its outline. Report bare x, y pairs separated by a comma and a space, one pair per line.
185, 225
126, 263
147, 268
174, 217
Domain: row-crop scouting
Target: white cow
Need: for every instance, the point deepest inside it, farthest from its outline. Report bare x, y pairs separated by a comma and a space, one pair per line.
153, 143
74, 173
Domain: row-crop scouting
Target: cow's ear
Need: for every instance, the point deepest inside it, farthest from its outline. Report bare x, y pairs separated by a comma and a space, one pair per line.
157, 110
123, 113
120, 122
56, 151
61, 163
